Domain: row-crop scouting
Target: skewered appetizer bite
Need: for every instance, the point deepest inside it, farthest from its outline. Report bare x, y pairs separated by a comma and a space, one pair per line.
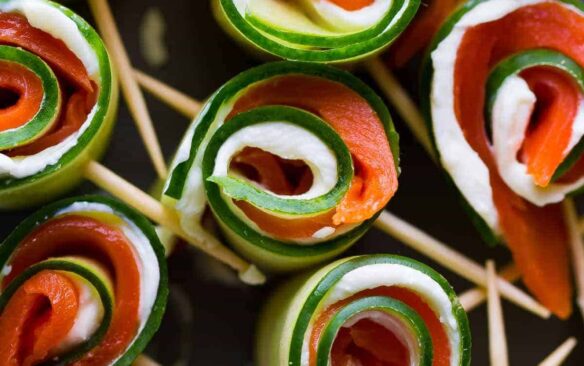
503, 90
328, 31
83, 282
295, 160
368, 310
58, 98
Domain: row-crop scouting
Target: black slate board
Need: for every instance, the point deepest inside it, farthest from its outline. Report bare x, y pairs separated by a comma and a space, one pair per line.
210, 319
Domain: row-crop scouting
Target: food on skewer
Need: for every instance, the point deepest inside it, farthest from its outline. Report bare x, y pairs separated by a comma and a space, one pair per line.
83, 282
58, 98
368, 310
315, 30
504, 91
295, 160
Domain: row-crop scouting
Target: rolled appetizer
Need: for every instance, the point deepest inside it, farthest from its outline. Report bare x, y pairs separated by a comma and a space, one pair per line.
327, 31
503, 90
295, 160
368, 310
58, 98
416, 38
83, 282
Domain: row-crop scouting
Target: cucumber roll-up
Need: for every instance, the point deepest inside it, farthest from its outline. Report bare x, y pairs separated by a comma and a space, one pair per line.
83, 282
295, 160
504, 93
58, 98
369, 310
328, 31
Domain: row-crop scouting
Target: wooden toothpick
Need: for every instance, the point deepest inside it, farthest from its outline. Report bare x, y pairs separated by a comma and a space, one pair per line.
157, 212
577, 249
557, 357
144, 360
454, 261
132, 93
177, 100
401, 101
472, 298
497, 337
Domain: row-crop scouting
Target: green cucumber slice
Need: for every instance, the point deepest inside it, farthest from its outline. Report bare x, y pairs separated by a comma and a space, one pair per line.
528, 59
241, 190
407, 317
295, 40
50, 106
287, 320
205, 137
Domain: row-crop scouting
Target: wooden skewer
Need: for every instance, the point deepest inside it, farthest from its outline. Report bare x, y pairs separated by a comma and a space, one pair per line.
557, 357
178, 101
472, 298
497, 337
157, 212
144, 360
131, 90
454, 261
577, 249
401, 101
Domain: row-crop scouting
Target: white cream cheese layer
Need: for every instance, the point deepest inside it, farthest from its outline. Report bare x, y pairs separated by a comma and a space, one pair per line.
512, 112
89, 316
288, 142
48, 18
317, 17
385, 274
145, 256
193, 201
344, 20
469, 172
395, 326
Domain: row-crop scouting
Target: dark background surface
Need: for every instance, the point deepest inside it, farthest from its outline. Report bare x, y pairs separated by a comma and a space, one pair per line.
211, 315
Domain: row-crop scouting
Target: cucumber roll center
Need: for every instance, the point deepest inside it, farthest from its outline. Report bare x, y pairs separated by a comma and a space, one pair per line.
290, 177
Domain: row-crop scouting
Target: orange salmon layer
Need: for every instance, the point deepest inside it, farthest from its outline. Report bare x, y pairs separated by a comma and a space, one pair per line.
419, 34
375, 180
79, 92
368, 343
43, 310
537, 236
352, 5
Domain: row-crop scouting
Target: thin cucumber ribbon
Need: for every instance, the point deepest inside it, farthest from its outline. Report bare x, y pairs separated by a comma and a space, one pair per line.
96, 286
32, 175
503, 93
378, 288
50, 106
201, 173
315, 30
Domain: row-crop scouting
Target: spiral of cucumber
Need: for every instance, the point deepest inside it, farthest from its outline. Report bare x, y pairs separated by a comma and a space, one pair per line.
297, 31
38, 178
91, 272
200, 172
288, 320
